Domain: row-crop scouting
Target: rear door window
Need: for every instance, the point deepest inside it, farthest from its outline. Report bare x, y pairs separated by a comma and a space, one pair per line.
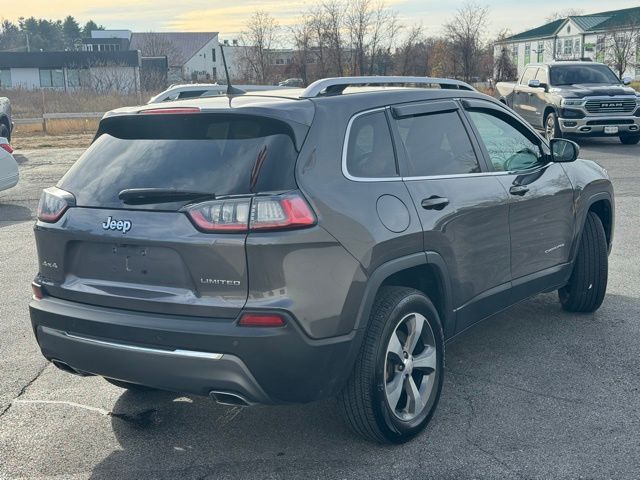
222, 154
370, 151
437, 144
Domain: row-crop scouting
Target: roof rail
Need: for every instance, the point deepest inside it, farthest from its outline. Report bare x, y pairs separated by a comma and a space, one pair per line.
335, 86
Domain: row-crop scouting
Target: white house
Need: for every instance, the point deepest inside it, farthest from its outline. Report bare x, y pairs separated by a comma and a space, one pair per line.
578, 37
192, 56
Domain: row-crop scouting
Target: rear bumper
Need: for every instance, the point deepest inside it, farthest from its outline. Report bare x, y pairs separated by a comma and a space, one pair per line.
595, 126
192, 355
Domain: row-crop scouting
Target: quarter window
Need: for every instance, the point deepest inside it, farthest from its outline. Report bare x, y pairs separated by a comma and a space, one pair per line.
437, 144
509, 149
370, 150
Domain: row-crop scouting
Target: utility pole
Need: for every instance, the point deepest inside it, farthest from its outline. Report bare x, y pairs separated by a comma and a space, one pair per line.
26, 34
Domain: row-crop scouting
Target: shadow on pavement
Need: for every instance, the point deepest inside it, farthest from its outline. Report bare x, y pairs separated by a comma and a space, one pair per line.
520, 379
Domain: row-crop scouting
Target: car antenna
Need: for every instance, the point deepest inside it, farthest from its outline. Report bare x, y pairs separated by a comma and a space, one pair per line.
231, 90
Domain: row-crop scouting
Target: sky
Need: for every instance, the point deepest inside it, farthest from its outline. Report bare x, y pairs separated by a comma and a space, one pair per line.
229, 17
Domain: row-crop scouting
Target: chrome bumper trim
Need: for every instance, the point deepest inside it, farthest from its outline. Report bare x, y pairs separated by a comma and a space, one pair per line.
156, 351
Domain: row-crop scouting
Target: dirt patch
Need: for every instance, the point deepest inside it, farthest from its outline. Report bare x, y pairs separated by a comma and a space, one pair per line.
32, 142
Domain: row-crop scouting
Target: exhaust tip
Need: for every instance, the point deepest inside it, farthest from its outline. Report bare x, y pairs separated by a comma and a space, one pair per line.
69, 369
229, 398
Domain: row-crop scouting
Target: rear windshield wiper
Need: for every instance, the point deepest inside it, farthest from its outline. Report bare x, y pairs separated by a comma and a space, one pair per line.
141, 196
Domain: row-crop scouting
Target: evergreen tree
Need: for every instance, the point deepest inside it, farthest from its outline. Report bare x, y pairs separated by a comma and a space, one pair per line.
71, 33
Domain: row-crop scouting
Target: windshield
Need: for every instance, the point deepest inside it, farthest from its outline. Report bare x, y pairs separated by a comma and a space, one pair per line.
220, 154
578, 74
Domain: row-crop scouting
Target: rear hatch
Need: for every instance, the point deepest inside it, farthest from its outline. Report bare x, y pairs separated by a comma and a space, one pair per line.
127, 239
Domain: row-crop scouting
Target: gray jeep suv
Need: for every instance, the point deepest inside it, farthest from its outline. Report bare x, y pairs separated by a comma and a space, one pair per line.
284, 248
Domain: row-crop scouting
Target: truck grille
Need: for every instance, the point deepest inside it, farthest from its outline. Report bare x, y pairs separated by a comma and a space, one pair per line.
611, 106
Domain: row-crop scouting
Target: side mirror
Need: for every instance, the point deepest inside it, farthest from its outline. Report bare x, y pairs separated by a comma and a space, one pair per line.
563, 150
627, 80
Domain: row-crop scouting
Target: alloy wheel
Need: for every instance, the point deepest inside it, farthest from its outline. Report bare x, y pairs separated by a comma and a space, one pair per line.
550, 129
410, 367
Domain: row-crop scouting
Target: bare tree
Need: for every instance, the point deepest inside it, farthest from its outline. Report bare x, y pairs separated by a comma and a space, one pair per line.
333, 12
358, 22
112, 77
411, 55
260, 38
385, 28
621, 46
302, 35
155, 44
560, 14
465, 32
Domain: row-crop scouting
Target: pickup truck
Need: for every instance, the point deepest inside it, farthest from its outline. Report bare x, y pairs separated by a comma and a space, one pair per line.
6, 125
575, 99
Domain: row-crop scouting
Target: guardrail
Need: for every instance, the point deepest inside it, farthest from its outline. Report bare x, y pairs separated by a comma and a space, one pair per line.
57, 116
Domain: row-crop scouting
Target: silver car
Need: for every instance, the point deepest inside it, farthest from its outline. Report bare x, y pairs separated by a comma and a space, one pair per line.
8, 166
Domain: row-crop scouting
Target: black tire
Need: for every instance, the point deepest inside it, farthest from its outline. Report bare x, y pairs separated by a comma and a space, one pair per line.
588, 282
134, 387
552, 127
629, 139
363, 401
4, 131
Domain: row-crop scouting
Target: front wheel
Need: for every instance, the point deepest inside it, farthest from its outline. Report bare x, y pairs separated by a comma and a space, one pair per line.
588, 282
629, 139
552, 127
395, 386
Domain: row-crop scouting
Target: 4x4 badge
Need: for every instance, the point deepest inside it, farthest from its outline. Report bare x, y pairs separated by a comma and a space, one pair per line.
120, 225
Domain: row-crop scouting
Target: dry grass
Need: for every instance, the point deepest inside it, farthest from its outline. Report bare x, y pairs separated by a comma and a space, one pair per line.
32, 142
33, 103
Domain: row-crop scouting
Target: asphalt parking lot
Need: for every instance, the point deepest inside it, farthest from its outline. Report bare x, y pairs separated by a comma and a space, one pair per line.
531, 393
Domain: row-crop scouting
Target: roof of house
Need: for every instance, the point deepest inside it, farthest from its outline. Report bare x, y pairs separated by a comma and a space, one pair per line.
596, 22
179, 47
73, 59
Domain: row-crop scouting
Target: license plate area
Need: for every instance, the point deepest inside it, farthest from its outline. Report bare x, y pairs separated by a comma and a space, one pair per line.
142, 264
610, 130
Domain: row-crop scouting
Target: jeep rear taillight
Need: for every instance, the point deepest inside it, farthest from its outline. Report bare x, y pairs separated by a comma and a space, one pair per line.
53, 203
6, 147
269, 212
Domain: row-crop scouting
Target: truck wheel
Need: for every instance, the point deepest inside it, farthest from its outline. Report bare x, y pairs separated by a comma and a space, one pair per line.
129, 386
588, 282
630, 139
552, 127
395, 386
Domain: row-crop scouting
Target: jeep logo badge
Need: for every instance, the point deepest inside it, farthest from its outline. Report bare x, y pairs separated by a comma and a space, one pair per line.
120, 225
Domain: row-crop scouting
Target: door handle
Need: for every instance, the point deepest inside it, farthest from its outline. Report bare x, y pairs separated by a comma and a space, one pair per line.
435, 203
518, 190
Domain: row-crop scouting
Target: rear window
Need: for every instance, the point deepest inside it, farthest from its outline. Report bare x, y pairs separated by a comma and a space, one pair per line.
223, 154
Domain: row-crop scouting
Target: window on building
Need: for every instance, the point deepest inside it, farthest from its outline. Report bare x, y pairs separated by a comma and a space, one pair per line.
514, 53
600, 44
527, 53
540, 52
77, 77
576, 47
279, 61
568, 47
51, 78
370, 149
437, 144
5, 77
213, 55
